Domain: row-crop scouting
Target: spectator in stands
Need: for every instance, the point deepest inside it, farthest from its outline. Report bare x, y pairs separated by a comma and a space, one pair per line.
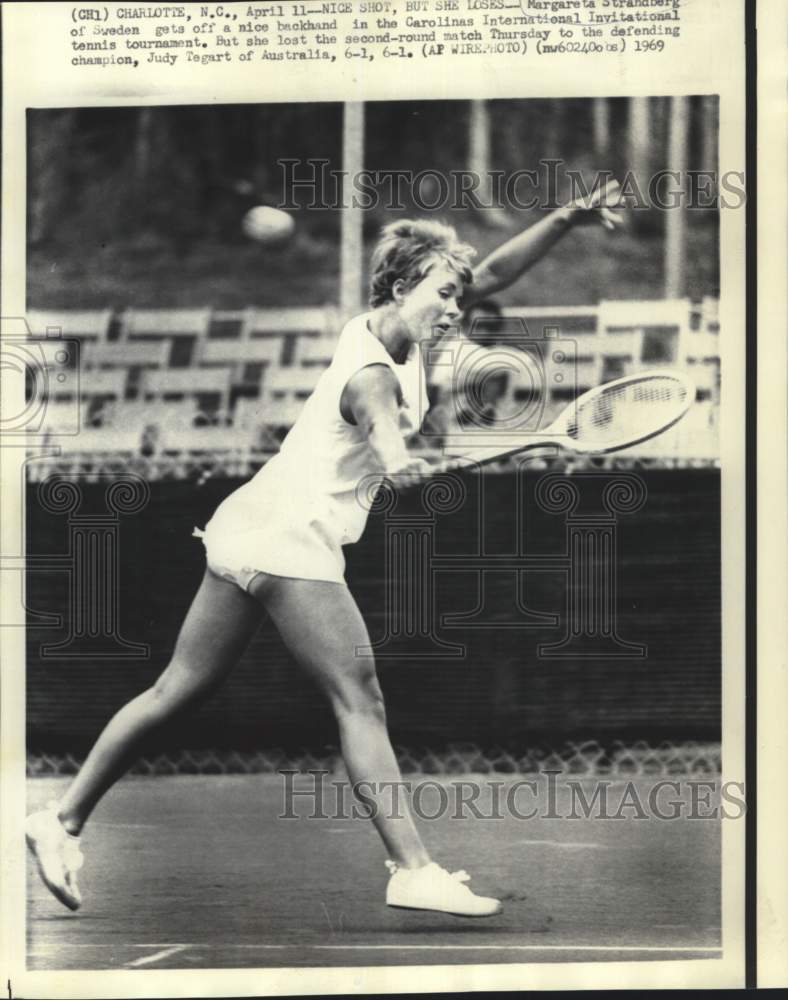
481, 322
275, 545
150, 440
457, 408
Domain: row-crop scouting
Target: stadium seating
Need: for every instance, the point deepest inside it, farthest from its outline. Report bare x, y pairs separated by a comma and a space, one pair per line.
160, 323
126, 355
315, 351
299, 321
138, 414
182, 387
180, 382
204, 440
63, 418
87, 326
103, 385
266, 350
91, 440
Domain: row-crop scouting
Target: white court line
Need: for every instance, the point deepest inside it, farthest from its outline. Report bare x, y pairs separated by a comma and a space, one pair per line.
158, 956
173, 948
509, 947
479, 947
110, 944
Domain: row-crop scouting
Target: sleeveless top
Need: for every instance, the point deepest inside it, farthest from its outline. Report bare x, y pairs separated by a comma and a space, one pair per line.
323, 458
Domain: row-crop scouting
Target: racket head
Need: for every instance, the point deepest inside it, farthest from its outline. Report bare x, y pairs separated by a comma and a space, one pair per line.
626, 411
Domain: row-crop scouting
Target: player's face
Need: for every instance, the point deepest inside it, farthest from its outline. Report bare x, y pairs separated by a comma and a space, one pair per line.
431, 308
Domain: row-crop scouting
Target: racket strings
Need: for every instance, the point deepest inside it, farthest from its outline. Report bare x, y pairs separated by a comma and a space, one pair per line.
628, 412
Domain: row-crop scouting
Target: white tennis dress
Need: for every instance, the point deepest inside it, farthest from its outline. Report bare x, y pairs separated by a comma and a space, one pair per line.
293, 517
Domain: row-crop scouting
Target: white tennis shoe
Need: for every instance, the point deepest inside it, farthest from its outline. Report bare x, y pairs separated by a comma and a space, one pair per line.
433, 888
57, 854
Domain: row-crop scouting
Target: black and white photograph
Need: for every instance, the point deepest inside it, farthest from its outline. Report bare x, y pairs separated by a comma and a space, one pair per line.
375, 469
253, 371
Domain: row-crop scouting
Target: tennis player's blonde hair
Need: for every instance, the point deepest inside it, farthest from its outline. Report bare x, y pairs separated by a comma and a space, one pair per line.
407, 250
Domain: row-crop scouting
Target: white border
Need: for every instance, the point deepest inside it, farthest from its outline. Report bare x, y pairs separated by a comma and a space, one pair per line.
30, 77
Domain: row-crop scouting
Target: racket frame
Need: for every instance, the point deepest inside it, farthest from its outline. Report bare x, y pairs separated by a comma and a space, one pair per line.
555, 435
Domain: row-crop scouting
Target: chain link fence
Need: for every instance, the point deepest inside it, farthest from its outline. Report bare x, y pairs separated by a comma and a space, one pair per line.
617, 759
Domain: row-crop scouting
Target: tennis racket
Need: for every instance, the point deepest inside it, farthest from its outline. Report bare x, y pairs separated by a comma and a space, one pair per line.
608, 418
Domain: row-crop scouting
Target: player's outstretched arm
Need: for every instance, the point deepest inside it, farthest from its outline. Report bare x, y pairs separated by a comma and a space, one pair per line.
512, 259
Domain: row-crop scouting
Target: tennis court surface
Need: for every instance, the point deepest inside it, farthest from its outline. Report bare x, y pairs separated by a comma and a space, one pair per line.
190, 872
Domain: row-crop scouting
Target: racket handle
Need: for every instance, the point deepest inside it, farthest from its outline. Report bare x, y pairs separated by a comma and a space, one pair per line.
471, 460
450, 465
479, 457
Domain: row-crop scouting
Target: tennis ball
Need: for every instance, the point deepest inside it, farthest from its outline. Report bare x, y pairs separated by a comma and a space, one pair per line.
267, 225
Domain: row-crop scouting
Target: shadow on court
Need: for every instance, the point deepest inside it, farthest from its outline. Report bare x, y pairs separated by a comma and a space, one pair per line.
198, 872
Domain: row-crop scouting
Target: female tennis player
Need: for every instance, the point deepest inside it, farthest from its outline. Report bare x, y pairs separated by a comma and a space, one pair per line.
275, 546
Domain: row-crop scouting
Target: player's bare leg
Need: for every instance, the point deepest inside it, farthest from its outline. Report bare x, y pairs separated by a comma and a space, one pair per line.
219, 624
323, 628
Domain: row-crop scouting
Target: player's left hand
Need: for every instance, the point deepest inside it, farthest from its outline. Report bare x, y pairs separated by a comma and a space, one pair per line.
603, 205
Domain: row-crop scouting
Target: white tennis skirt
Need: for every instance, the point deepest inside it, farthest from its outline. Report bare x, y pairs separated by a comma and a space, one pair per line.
266, 532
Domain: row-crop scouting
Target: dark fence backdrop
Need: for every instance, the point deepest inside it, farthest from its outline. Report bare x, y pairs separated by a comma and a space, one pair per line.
500, 693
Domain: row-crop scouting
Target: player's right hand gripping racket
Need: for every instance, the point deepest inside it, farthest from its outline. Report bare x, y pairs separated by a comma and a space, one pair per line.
608, 418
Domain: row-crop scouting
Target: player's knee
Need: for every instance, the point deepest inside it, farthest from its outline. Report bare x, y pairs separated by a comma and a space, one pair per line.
359, 694
174, 691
